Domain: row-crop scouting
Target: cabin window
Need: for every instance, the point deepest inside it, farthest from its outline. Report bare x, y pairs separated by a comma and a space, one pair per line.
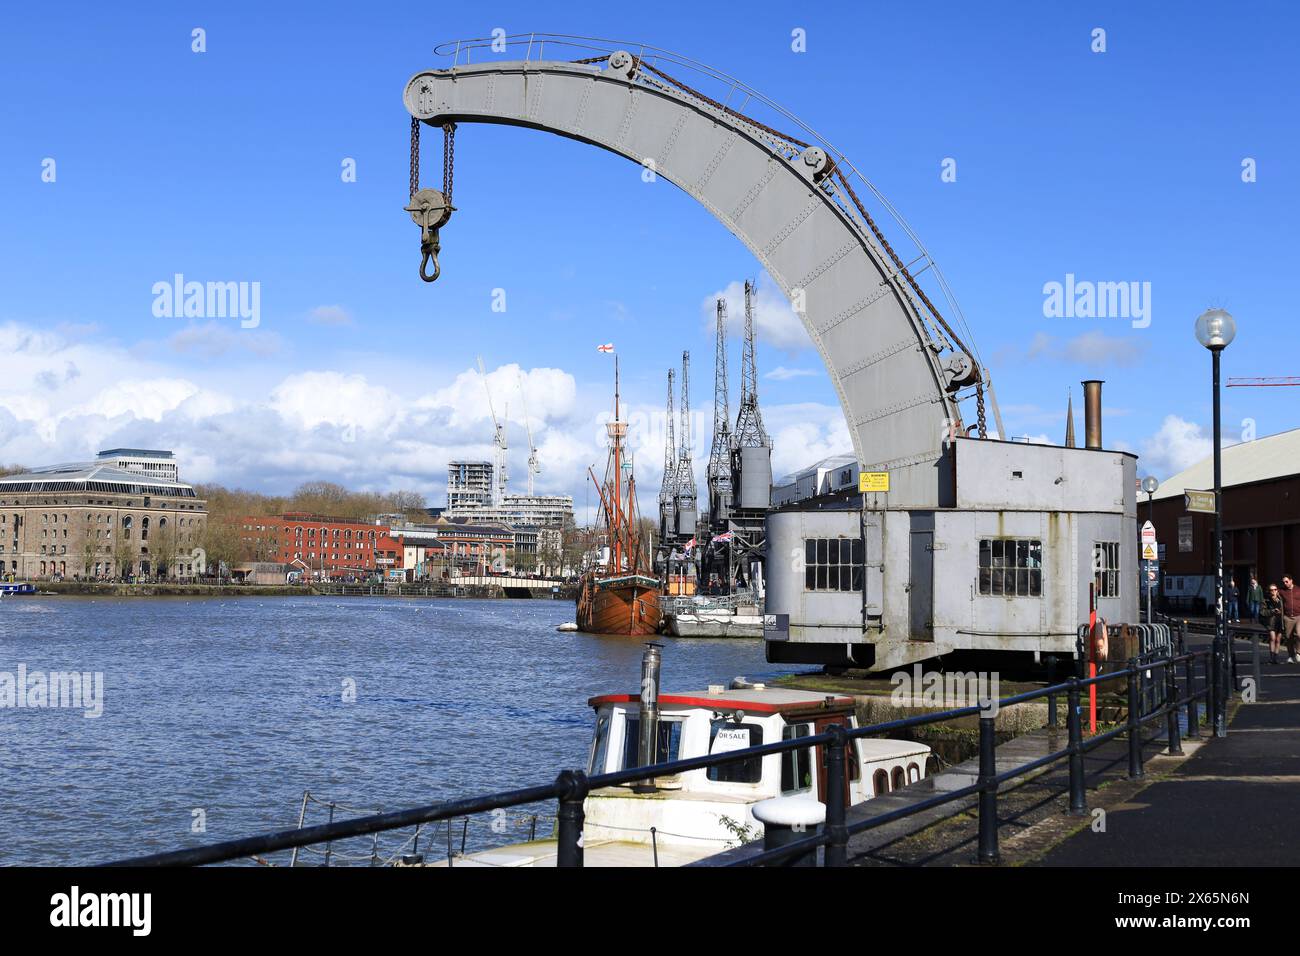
880, 783
726, 735
833, 564
796, 766
1011, 567
599, 746
670, 741
913, 773
1105, 567
900, 780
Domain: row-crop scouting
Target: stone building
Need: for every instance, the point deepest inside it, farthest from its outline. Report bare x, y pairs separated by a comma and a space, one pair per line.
95, 520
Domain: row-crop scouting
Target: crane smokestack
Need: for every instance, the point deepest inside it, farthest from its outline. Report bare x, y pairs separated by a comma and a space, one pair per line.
1092, 413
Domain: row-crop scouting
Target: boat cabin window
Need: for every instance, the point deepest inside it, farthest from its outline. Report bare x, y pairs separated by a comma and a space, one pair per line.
899, 779
880, 782
599, 746
796, 766
913, 773
727, 735
670, 740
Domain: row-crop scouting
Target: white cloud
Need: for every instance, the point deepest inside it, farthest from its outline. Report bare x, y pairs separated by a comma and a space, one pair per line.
334, 315
776, 324
783, 374
211, 339
1178, 444
267, 429
541, 393
1089, 348
310, 399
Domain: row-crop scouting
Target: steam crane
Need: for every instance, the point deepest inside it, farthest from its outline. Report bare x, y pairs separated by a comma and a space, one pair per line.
499, 439
687, 496
668, 490
534, 467
719, 473
751, 468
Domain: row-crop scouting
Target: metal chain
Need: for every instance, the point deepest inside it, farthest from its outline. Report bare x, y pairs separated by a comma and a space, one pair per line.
832, 171
415, 157
979, 411
448, 158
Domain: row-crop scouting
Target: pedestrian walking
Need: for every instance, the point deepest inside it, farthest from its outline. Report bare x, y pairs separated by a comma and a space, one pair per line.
1230, 595
1254, 598
1272, 619
1290, 595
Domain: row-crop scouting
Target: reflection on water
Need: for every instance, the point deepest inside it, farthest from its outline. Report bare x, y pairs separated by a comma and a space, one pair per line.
235, 707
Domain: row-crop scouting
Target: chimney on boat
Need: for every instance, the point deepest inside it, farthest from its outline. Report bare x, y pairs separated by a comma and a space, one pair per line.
1092, 413
647, 747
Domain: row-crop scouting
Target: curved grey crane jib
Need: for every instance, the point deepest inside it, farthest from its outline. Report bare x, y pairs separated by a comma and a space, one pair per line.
894, 379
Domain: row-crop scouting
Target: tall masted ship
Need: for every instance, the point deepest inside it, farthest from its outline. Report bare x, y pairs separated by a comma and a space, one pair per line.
619, 595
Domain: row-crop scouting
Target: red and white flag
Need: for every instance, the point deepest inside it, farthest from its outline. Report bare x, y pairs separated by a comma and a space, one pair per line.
724, 537
689, 546
607, 347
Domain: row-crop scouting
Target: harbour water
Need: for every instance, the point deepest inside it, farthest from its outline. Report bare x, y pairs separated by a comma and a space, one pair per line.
235, 707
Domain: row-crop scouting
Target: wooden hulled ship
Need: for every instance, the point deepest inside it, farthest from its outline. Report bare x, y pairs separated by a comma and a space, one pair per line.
618, 594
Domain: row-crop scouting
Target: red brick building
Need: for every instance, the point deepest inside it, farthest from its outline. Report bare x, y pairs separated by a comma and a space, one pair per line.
1261, 522
318, 545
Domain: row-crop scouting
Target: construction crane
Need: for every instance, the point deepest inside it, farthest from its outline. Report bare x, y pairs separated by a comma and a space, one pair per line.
534, 467
1264, 381
499, 439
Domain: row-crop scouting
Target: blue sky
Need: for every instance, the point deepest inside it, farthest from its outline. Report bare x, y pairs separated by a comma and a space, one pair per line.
225, 166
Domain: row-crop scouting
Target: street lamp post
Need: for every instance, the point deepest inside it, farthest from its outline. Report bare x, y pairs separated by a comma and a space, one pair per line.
1215, 330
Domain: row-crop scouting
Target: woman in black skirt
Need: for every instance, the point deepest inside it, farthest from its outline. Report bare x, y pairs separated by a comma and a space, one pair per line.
1271, 616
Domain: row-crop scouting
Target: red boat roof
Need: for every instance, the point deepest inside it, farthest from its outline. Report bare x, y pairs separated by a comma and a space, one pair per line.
761, 700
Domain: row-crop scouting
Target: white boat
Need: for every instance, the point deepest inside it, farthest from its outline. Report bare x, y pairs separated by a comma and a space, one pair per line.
703, 616
715, 623
702, 812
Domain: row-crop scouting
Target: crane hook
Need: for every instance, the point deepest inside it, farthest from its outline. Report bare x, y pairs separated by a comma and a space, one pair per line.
430, 210
429, 251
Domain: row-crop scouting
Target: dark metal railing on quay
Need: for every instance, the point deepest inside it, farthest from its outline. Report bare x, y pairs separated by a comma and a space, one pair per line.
571, 787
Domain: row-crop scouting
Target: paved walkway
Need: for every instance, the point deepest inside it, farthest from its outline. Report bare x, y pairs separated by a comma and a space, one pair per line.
1235, 801
1230, 801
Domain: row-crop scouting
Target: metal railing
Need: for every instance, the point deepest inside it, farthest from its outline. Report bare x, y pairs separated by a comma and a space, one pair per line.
571, 787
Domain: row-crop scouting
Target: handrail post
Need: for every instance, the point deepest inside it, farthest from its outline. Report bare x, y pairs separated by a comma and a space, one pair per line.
1171, 709
1254, 660
1051, 698
837, 833
988, 799
573, 788
1193, 716
1074, 721
329, 844
1134, 725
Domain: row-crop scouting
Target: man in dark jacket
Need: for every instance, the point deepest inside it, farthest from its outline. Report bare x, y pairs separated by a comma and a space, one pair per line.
1290, 595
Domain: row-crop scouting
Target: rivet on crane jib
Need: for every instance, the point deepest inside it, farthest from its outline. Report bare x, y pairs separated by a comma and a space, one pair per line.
429, 208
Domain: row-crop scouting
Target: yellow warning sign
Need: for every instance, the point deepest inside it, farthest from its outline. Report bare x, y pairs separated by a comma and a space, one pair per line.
873, 481
1149, 553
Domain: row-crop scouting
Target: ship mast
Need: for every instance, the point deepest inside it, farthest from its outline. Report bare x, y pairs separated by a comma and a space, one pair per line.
616, 429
